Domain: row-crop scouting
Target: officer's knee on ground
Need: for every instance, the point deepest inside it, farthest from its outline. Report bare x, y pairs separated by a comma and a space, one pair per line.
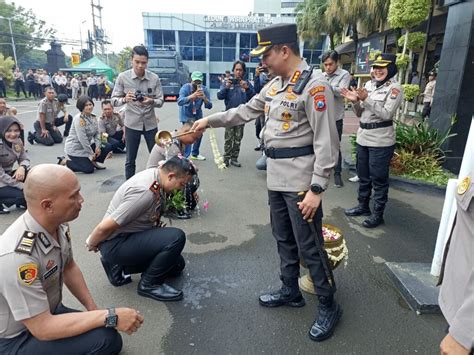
179, 238
88, 169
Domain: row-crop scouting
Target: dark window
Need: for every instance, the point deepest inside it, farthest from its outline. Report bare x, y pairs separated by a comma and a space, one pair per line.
168, 38
200, 53
248, 41
228, 40
192, 45
215, 54
215, 39
228, 55
161, 38
199, 39
245, 40
185, 38
215, 81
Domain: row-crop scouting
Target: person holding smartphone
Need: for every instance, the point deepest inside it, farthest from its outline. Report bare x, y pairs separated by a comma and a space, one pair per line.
235, 91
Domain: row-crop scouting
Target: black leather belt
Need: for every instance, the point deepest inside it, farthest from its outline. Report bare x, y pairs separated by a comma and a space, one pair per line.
376, 125
282, 153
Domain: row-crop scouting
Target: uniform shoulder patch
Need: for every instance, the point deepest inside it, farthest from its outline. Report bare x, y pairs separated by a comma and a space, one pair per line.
320, 103
82, 122
17, 147
317, 89
394, 93
26, 243
155, 187
27, 273
464, 185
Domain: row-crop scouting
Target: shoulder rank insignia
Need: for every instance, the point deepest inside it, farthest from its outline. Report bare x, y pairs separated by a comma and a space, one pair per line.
464, 185
27, 273
26, 243
44, 240
295, 77
155, 187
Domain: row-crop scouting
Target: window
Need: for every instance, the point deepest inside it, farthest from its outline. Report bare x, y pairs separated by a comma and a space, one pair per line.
222, 46
161, 38
312, 52
192, 45
248, 41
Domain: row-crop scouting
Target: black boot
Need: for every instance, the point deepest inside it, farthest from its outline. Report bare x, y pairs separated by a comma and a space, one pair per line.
338, 180
289, 295
362, 209
115, 273
329, 313
375, 218
159, 292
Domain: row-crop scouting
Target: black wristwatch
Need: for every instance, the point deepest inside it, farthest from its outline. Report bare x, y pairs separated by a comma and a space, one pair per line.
317, 189
112, 319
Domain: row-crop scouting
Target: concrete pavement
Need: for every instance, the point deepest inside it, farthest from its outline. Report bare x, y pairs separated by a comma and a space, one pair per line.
232, 258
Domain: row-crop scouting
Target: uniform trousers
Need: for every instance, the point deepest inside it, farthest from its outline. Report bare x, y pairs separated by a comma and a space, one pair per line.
132, 142
97, 341
373, 164
20, 86
51, 138
3, 89
233, 137
116, 142
295, 238
30, 84
10, 196
84, 164
338, 167
154, 252
426, 109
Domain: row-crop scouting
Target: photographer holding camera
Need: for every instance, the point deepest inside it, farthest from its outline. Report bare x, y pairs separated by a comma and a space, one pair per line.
235, 91
141, 91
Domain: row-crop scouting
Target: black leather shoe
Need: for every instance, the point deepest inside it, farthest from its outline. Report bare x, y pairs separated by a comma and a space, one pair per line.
162, 292
235, 163
227, 162
326, 320
338, 180
183, 214
285, 296
4, 211
373, 221
31, 138
361, 209
115, 274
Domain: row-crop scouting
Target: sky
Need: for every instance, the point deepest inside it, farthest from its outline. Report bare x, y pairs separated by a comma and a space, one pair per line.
121, 19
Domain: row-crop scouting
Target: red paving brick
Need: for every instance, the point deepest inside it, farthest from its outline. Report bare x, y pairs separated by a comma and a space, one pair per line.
351, 122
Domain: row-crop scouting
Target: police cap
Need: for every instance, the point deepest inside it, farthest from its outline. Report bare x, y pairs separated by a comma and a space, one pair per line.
275, 34
384, 60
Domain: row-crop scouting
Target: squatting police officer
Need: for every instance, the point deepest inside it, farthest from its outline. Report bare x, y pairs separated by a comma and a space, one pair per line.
302, 147
376, 107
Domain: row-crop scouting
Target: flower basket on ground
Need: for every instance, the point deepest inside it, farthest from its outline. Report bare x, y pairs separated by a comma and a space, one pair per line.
336, 248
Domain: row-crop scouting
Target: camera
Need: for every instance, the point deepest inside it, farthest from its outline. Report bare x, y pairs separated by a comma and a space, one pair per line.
139, 96
235, 81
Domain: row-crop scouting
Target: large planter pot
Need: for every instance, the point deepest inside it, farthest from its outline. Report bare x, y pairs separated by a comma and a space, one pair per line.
337, 252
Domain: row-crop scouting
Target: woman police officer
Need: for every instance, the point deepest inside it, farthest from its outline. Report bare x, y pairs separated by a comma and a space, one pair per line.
376, 107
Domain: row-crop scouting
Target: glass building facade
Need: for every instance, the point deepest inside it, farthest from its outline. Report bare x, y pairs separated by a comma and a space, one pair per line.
211, 44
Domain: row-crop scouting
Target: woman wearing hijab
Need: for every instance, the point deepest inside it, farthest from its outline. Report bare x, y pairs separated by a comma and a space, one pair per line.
12, 151
83, 145
376, 106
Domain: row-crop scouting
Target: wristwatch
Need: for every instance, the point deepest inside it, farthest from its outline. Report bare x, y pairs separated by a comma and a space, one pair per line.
317, 189
112, 319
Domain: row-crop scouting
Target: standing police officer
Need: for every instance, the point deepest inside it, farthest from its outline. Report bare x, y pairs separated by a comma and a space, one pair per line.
36, 260
375, 137
338, 78
140, 90
302, 146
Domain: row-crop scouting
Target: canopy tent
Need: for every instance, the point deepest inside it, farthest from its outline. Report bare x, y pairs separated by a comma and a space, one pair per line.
92, 65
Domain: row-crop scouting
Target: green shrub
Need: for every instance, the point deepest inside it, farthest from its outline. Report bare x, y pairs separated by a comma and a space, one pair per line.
410, 91
175, 201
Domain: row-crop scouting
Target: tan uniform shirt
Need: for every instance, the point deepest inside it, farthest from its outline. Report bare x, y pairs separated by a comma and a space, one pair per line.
110, 125
292, 121
84, 132
338, 80
137, 115
134, 207
8, 157
160, 153
30, 283
381, 105
49, 108
429, 91
456, 297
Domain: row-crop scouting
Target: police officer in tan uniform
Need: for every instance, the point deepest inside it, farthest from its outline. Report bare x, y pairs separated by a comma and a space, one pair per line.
46, 131
456, 297
109, 123
36, 260
375, 137
302, 147
12, 151
131, 238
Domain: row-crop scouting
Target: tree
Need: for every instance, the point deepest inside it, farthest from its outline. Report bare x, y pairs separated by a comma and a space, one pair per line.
312, 22
124, 59
28, 31
6, 68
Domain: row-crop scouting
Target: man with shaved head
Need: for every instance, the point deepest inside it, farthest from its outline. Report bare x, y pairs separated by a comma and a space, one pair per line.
35, 260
